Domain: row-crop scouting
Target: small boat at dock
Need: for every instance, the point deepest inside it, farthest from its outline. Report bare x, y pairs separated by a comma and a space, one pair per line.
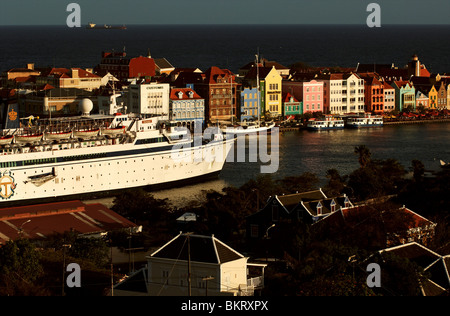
328, 123
365, 121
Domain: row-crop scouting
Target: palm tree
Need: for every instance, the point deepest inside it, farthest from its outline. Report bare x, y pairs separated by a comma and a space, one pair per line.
364, 155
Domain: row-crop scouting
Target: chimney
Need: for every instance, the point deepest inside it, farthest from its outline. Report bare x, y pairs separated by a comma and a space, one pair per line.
74, 73
30, 66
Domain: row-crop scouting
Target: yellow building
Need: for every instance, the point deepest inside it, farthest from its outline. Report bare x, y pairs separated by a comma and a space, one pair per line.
433, 97
271, 93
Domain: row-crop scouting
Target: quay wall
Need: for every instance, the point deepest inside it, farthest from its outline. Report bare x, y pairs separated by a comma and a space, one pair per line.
444, 120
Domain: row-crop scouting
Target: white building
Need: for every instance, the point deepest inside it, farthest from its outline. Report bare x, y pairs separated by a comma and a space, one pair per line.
194, 265
343, 93
187, 107
148, 98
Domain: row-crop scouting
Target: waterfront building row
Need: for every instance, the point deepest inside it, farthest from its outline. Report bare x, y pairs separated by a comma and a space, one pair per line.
262, 88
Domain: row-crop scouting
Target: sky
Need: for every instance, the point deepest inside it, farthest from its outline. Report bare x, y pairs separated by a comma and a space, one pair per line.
53, 12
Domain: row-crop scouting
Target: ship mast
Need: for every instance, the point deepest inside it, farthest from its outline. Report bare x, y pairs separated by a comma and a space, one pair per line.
257, 89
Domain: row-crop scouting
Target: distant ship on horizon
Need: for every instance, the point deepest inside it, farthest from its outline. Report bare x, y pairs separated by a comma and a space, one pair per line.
105, 27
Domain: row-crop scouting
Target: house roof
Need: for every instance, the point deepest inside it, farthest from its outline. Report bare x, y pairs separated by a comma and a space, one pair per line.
174, 94
44, 220
214, 74
436, 266
370, 78
206, 249
287, 97
312, 206
162, 63
292, 200
439, 272
254, 72
415, 252
137, 282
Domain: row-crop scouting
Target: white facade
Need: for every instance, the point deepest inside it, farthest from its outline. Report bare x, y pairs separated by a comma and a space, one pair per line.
187, 107
353, 95
152, 98
212, 269
389, 99
344, 93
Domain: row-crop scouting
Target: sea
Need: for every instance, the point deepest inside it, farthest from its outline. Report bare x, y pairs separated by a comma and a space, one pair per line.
233, 46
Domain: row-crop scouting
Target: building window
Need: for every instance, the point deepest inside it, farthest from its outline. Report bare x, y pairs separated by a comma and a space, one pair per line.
275, 213
254, 230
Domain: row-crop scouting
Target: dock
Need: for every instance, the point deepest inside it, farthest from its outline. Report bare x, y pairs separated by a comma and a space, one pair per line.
444, 120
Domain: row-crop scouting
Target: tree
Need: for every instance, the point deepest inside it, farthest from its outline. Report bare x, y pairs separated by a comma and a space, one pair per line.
20, 268
364, 155
20, 259
418, 170
136, 204
336, 183
305, 182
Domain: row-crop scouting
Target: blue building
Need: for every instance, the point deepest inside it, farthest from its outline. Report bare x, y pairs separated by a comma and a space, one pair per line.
249, 104
187, 107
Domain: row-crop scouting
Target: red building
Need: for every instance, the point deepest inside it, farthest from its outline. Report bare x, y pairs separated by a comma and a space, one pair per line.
219, 91
123, 67
374, 92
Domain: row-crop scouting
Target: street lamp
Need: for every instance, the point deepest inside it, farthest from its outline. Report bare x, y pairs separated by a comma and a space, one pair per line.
266, 236
20, 228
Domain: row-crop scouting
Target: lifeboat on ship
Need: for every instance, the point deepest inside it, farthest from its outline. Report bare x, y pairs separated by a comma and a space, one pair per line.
58, 135
5, 140
86, 134
112, 131
28, 138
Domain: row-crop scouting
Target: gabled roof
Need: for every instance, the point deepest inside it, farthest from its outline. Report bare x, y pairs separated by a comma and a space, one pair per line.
287, 97
185, 94
370, 78
439, 272
162, 63
136, 282
387, 86
206, 249
326, 204
290, 201
254, 72
435, 265
271, 63
214, 74
414, 252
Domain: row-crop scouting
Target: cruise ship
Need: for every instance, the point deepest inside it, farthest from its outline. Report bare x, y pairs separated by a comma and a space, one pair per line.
59, 158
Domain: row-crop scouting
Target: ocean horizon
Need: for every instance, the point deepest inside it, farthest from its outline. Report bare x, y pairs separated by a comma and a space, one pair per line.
228, 45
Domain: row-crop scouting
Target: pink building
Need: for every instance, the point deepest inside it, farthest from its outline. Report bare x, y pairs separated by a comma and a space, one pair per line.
308, 92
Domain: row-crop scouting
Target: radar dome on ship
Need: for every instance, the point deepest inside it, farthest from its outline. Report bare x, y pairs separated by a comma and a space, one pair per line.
86, 106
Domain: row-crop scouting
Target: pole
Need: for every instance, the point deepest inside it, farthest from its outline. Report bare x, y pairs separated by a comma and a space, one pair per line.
207, 279
112, 269
189, 264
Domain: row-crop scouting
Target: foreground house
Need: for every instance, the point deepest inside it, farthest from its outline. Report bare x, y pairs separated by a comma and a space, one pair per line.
435, 266
382, 226
194, 265
308, 207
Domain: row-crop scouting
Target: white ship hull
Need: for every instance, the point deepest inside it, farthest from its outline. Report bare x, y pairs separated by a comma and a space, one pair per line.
55, 171
90, 176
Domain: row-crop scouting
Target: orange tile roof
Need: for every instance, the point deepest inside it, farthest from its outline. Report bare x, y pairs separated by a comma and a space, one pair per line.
43, 220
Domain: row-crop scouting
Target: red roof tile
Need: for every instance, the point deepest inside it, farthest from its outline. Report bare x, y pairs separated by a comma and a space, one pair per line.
40, 221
